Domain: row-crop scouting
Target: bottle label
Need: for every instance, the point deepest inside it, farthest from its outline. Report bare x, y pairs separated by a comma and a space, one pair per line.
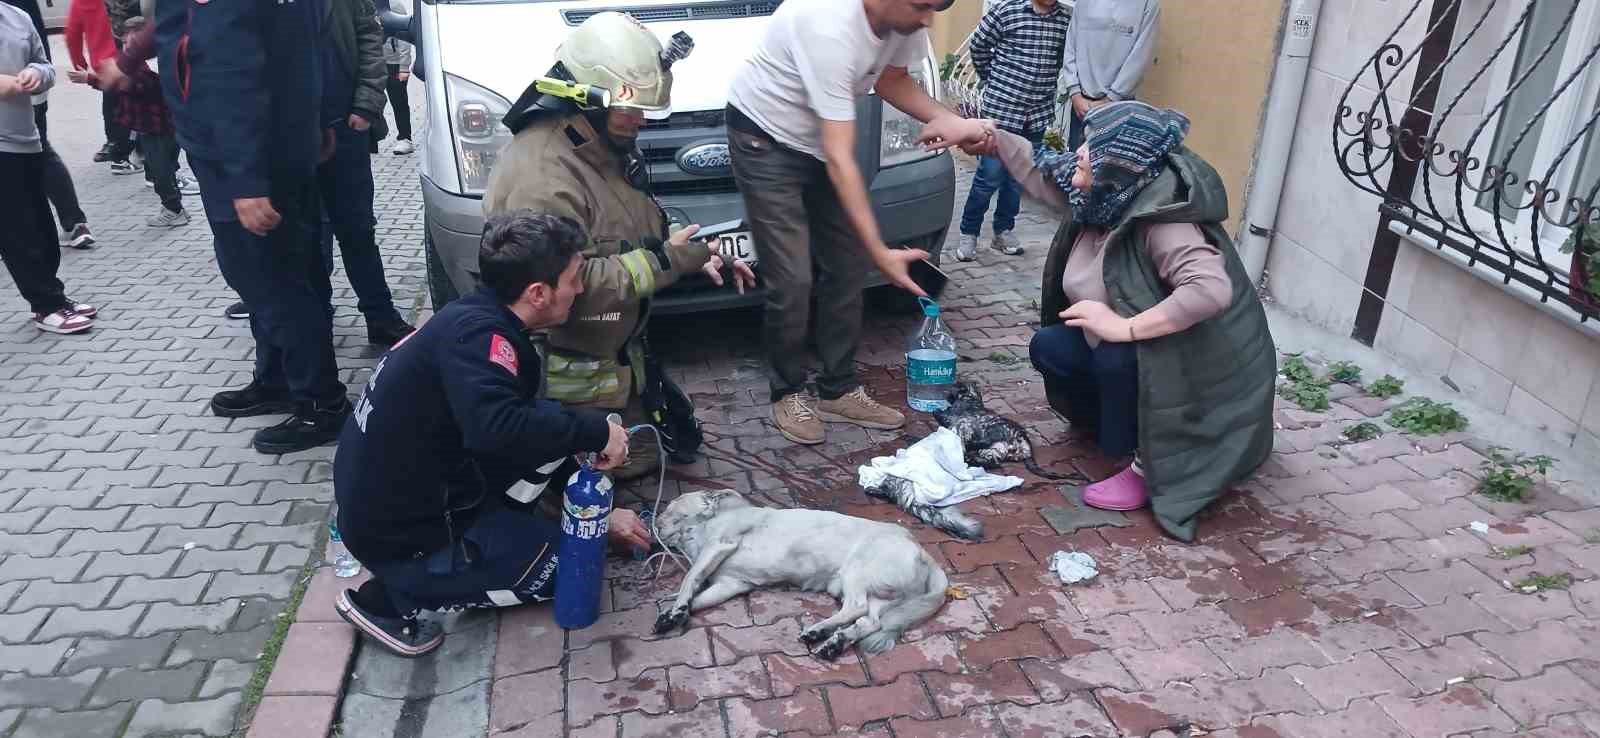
938, 369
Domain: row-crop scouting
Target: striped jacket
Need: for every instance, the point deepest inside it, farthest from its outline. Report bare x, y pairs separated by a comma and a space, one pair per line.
1016, 52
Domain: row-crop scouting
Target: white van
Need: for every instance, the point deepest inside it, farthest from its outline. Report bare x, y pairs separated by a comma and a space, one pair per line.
476, 56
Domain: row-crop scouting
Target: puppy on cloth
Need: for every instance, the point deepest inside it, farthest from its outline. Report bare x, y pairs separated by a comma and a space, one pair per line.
884, 580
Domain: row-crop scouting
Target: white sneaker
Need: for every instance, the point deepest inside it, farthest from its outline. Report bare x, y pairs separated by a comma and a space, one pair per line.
188, 186
1006, 242
127, 166
80, 237
967, 248
168, 219
403, 147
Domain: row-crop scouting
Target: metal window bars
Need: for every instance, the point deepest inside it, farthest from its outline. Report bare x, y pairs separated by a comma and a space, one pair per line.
1487, 195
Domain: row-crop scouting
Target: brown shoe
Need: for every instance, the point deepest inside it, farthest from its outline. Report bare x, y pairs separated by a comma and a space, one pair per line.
796, 419
857, 408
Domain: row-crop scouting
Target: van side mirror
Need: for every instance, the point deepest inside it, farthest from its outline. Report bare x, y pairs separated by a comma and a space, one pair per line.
398, 25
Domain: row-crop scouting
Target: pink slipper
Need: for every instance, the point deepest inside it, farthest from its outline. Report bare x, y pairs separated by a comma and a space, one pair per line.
1121, 491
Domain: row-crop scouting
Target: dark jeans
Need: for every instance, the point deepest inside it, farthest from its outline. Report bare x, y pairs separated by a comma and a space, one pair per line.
507, 557
57, 180
992, 177
347, 190
161, 168
400, 100
116, 135
1075, 133
796, 217
28, 241
1101, 384
280, 277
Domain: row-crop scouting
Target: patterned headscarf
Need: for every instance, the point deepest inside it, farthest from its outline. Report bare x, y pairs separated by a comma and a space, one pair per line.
1128, 146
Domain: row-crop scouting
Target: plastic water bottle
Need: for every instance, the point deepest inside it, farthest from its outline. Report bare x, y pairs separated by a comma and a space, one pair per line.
580, 564
344, 564
930, 362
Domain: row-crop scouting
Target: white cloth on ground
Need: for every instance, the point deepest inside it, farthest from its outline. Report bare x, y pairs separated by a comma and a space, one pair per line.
937, 468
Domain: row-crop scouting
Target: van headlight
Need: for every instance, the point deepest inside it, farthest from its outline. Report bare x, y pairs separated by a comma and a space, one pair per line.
477, 130
898, 138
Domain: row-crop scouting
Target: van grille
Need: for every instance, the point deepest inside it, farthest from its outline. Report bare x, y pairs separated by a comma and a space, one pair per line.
697, 11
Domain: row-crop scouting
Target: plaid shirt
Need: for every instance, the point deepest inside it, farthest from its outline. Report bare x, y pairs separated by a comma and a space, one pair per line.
142, 109
1017, 54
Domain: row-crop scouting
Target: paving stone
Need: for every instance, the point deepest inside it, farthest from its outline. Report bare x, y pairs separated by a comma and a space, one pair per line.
202, 645
527, 702
295, 716
46, 723
153, 516
587, 700
276, 491
228, 585
47, 593
704, 722
226, 675
21, 521
73, 621
172, 537
142, 653
464, 658
39, 659
60, 692
953, 694
213, 717
116, 564
165, 616
57, 568
1367, 675
1075, 717
172, 685
1531, 651
32, 544
247, 560
1457, 616
180, 590
1459, 710
803, 711
1075, 516
127, 542
304, 534
242, 494
1455, 580
228, 512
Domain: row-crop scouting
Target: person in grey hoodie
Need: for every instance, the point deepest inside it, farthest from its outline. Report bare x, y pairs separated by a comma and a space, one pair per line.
1110, 46
28, 240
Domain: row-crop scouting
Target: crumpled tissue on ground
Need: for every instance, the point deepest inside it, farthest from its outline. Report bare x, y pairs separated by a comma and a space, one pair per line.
1073, 567
937, 468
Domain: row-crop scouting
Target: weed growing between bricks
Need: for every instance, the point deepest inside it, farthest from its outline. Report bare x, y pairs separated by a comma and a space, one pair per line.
1509, 478
280, 630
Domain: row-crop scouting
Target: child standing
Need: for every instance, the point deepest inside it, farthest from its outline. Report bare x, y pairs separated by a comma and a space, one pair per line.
1016, 51
28, 240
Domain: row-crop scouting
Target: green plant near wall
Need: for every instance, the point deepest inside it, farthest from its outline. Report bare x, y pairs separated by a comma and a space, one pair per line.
1425, 417
1508, 477
947, 67
1312, 396
1347, 372
1386, 386
1296, 369
1591, 233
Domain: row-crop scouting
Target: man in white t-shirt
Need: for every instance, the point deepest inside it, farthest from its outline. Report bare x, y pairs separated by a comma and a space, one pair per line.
791, 128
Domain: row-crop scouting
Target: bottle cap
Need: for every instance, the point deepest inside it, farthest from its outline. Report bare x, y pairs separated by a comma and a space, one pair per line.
929, 307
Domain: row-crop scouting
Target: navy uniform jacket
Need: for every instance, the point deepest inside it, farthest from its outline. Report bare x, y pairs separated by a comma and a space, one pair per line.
243, 80
449, 417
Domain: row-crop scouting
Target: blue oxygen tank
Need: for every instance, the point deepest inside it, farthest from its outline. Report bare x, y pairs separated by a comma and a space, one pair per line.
580, 568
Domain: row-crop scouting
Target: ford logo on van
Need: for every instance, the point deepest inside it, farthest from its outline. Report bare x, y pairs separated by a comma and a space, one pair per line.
705, 159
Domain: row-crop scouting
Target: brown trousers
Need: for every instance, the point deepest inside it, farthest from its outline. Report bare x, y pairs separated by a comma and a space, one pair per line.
807, 249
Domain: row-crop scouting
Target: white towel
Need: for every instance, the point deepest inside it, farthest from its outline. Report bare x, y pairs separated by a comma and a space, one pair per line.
937, 468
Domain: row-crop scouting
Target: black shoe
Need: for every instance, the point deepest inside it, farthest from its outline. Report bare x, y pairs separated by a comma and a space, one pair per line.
237, 311
388, 332
108, 152
251, 401
309, 427
402, 637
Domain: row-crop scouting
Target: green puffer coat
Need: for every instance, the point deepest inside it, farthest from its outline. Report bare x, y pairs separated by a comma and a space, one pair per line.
1205, 394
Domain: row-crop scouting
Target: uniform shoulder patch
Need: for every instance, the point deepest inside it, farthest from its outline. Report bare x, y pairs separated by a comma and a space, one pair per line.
503, 353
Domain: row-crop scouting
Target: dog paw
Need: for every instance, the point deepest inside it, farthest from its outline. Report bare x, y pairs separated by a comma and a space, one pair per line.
833, 648
814, 635
672, 620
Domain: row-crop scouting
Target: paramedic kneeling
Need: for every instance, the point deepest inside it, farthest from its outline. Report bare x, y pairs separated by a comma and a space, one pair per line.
449, 421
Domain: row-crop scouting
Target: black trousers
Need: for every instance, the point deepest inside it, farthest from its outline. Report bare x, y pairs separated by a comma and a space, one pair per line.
28, 241
400, 100
116, 135
57, 180
507, 557
1102, 383
161, 168
280, 277
347, 191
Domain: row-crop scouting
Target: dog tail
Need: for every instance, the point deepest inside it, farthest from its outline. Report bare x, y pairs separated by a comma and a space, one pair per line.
948, 519
895, 620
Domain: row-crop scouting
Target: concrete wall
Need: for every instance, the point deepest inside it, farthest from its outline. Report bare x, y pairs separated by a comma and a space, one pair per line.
1214, 63
1531, 363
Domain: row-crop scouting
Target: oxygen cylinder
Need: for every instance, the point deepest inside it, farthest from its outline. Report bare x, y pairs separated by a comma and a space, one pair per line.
580, 566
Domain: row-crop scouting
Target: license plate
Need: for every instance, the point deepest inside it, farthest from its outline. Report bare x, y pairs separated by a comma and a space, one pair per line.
736, 245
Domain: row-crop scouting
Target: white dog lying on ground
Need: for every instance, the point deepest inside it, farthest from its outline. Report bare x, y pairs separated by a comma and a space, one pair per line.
884, 581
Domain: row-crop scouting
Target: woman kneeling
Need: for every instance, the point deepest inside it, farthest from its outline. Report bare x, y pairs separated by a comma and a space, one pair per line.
1153, 339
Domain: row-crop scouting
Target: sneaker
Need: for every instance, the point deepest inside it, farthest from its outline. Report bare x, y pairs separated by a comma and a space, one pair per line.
1122, 491
188, 186
128, 166
858, 408
797, 421
64, 321
1006, 242
168, 219
251, 401
237, 311
309, 427
108, 152
408, 638
80, 237
403, 147
84, 308
967, 248
388, 332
